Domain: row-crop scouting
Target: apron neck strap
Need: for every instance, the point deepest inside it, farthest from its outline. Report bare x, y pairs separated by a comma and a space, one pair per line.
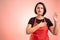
44, 19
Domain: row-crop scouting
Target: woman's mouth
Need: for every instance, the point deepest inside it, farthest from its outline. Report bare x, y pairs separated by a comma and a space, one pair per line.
39, 11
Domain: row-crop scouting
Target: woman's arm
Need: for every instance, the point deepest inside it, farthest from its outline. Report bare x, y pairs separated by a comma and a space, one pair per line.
54, 29
31, 29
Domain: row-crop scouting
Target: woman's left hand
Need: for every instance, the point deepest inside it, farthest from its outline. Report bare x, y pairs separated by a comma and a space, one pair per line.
55, 17
54, 29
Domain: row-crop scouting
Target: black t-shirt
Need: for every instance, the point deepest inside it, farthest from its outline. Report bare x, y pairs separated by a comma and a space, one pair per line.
49, 23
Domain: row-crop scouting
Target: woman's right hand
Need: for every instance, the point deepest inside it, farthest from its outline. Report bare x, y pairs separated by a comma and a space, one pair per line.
30, 29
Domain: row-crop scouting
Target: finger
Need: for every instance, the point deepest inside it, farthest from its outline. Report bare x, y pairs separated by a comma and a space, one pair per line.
56, 14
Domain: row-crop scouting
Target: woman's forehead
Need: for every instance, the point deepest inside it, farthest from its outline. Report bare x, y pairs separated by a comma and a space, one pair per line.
39, 5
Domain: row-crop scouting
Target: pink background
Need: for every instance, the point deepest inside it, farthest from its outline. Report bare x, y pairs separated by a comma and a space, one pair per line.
15, 15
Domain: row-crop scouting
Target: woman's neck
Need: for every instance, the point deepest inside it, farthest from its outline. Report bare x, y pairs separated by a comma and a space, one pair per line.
40, 17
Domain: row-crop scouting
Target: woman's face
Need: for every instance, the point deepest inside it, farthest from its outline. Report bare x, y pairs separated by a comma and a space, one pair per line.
39, 9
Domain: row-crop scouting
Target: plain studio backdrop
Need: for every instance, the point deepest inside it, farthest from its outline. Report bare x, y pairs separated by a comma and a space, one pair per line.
15, 14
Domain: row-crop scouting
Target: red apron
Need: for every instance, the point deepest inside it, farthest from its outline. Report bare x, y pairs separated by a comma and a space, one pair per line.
40, 34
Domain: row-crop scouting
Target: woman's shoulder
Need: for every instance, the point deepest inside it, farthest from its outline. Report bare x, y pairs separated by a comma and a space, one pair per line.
47, 19
31, 21
32, 18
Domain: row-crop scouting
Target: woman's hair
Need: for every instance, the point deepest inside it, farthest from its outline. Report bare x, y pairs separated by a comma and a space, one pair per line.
43, 8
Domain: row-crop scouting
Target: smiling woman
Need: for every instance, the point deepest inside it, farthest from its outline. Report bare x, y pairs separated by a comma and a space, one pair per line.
38, 26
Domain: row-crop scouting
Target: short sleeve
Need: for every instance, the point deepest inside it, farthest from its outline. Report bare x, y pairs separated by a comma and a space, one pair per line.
49, 23
31, 21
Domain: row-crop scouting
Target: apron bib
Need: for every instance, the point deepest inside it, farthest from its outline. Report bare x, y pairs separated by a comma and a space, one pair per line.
41, 33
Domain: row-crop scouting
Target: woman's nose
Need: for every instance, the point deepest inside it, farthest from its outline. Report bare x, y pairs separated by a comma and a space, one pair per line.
39, 8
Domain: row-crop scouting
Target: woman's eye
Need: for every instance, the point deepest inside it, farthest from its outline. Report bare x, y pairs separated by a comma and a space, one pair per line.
38, 8
41, 8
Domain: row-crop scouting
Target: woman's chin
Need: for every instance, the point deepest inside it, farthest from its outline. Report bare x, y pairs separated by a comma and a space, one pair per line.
39, 14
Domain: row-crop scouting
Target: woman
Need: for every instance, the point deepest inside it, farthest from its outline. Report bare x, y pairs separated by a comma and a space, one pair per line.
38, 26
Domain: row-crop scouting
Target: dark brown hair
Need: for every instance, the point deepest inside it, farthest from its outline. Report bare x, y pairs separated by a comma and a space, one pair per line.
43, 8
